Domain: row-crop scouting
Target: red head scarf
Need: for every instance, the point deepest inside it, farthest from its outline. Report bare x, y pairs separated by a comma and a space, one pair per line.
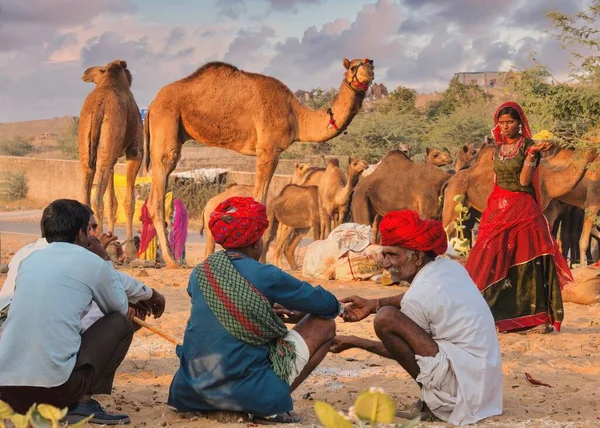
406, 229
238, 222
496, 131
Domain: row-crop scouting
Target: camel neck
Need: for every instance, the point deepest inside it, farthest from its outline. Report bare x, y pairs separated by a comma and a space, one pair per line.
314, 125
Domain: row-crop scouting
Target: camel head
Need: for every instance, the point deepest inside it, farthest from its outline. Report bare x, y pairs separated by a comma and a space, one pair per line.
356, 166
406, 149
438, 157
115, 68
359, 73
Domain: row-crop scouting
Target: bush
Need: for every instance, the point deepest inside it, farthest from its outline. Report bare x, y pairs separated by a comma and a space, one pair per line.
195, 194
18, 146
68, 142
13, 186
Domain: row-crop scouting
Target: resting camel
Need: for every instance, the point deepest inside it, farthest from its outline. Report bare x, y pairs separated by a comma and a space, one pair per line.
563, 175
296, 207
465, 156
437, 157
110, 126
249, 113
398, 183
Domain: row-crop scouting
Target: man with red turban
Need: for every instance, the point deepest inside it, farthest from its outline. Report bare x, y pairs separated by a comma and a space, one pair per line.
237, 352
441, 331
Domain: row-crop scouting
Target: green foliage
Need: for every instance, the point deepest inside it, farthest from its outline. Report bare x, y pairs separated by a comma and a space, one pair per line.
38, 416
319, 98
68, 142
13, 186
400, 100
460, 244
18, 146
373, 406
195, 194
457, 94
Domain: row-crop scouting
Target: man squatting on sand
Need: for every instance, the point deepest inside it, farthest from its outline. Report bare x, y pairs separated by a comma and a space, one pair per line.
441, 331
64, 295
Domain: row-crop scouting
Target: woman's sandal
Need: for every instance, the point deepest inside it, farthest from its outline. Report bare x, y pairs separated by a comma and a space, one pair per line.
540, 329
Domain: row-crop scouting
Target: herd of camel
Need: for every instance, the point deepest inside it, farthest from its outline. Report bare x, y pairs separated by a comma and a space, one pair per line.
253, 114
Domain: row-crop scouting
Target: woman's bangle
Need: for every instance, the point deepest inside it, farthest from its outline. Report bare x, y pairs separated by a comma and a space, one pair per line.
529, 164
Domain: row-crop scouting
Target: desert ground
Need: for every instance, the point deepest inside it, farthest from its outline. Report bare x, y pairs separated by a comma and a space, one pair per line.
568, 361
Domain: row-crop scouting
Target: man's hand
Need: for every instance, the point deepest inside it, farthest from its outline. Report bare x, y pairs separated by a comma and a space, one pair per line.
156, 304
107, 238
341, 344
358, 308
291, 317
96, 247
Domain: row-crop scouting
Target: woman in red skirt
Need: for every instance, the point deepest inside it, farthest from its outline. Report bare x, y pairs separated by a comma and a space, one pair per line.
515, 262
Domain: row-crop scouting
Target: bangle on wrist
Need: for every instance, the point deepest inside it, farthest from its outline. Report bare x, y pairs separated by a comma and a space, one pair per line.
378, 306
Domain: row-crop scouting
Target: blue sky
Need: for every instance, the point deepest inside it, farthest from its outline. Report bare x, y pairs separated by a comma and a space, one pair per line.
45, 45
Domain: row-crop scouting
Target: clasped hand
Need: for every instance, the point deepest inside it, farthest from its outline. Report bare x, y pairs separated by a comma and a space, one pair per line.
357, 308
291, 317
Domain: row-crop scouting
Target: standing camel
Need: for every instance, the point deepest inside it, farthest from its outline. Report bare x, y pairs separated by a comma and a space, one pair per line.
249, 113
110, 126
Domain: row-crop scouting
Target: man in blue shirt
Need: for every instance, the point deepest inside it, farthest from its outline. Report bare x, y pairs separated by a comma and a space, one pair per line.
237, 353
55, 287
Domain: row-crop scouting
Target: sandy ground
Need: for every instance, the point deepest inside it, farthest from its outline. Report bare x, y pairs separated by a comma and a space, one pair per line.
569, 361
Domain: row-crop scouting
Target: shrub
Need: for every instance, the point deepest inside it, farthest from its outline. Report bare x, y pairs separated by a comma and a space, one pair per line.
195, 194
38, 415
18, 146
13, 186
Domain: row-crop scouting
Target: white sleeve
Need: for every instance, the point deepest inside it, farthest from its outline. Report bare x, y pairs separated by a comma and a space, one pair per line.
413, 309
108, 291
136, 290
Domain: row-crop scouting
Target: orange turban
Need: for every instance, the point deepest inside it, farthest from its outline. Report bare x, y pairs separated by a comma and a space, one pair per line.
238, 222
406, 229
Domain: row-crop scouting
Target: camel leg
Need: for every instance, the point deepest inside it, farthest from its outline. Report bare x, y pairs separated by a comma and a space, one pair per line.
266, 163
112, 202
104, 177
588, 223
291, 248
133, 168
270, 234
86, 186
286, 232
165, 151
375, 226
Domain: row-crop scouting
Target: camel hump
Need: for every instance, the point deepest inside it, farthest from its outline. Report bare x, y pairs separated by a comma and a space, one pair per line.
213, 66
396, 154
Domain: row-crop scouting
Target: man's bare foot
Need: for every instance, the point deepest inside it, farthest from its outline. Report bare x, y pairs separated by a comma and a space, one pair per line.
341, 344
416, 410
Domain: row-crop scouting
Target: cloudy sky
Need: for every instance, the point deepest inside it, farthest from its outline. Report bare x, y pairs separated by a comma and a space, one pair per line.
45, 45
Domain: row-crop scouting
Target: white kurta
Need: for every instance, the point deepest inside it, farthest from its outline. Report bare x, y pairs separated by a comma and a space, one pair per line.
462, 384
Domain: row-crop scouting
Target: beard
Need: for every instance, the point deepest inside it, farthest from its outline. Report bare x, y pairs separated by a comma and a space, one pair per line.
402, 273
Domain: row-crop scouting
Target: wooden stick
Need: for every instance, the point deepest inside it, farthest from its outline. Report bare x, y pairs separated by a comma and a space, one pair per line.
157, 331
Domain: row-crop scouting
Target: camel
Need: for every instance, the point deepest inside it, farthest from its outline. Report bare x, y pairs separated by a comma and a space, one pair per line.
252, 114
300, 171
465, 156
296, 207
437, 157
110, 126
563, 175
398, 183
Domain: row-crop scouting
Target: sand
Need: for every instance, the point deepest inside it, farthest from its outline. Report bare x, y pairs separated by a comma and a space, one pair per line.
568, 361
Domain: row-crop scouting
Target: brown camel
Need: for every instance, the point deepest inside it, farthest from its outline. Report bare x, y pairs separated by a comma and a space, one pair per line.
563, 175
437, 157
398, 183
300, 171
250, 113
296, 207
110, 126
465, 156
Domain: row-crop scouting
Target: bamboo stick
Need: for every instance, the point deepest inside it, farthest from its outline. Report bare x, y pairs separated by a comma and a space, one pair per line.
157, 331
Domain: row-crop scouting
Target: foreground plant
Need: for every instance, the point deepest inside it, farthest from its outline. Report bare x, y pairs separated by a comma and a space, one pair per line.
373, 406
38, 416
460, 244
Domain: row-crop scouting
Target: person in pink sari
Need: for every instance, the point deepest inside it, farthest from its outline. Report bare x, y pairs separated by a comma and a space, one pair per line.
178, 235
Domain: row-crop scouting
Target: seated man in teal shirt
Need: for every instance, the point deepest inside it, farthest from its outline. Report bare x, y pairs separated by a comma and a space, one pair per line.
237, 353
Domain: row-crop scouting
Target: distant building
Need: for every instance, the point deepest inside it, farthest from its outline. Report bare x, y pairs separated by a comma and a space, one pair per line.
485, 79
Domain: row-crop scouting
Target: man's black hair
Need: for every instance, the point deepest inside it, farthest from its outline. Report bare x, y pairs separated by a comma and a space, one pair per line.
63, 219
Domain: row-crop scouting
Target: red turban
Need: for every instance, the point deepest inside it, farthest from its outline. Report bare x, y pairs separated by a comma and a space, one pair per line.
238, 222
406, 229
